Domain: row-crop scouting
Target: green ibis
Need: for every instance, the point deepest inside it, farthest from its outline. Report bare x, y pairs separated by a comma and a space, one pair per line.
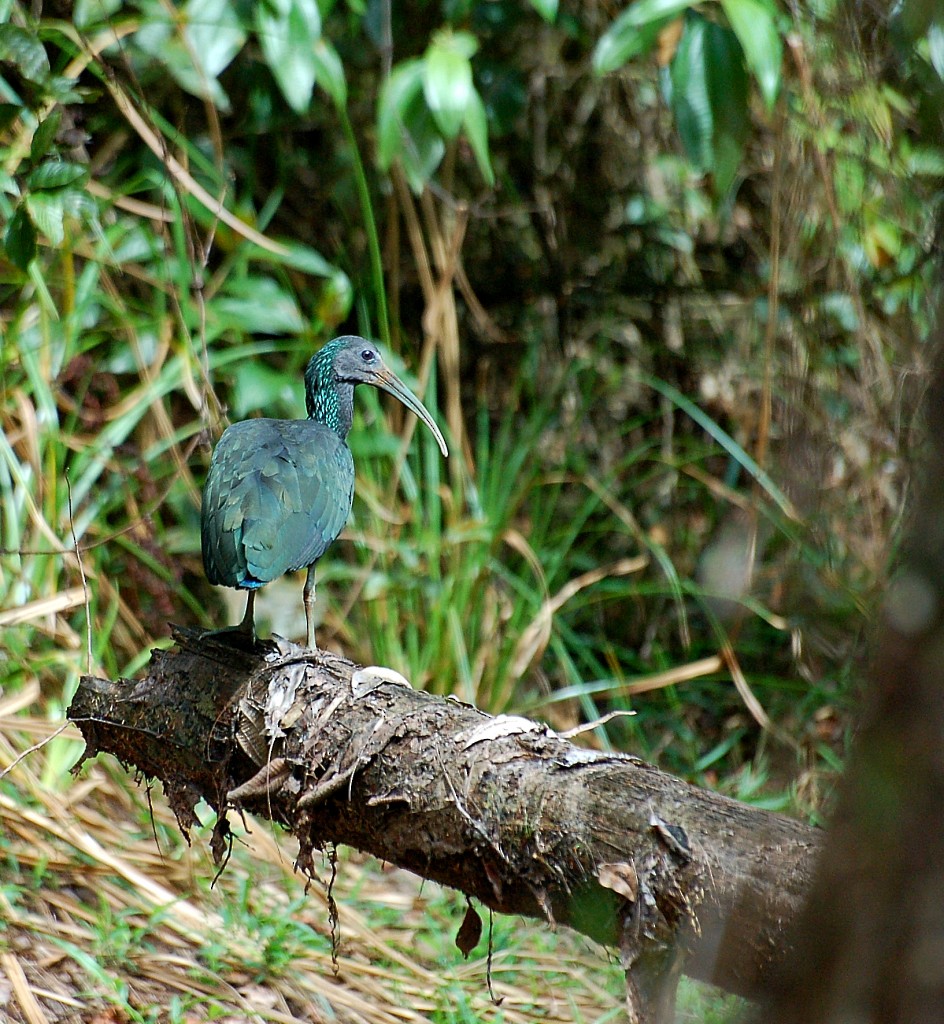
279, 492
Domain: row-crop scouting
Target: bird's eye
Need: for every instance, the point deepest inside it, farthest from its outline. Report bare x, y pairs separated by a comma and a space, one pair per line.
367, 355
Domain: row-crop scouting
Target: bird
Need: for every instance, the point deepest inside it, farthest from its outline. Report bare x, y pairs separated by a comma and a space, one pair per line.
278, 492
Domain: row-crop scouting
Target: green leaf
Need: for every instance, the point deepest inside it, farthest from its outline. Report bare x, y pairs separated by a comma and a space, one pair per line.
214, 33
299, 256
757, 33
546, 8
55, 174
45, 135
728, 88
654, 10
24, 49
288, 31
623, 41
936, 47
19, 239
87, 13
329, 72
399, 90
709, 99
690, 101
476, 131
46, 211
256, 305
447, 81
635, 32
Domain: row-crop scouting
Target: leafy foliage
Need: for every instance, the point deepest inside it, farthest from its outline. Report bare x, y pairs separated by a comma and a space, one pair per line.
665, 277
574, 245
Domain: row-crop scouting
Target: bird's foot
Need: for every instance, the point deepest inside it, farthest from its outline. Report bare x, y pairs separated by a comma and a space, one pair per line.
235, 636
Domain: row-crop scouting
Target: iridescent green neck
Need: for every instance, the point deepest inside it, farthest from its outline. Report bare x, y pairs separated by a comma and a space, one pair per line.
329, 400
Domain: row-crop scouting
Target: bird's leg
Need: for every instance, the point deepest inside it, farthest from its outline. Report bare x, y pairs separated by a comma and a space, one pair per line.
248, 626
310, 607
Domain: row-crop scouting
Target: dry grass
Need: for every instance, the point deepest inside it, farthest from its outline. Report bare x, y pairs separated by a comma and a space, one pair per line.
108, 916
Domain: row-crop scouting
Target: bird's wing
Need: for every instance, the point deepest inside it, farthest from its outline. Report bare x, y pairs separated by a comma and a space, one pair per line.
277, 494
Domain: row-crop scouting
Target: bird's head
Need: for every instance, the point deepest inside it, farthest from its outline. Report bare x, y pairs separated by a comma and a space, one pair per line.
353, 360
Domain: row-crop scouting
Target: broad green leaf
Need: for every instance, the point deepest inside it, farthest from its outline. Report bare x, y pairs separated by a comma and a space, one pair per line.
635, 32
256, 305
159, 38
87, 13
399, 90
46, 211
690, 101
476, 130
260, 387
301, 257
644, 11
709, 99
936, 47
423, 146
546, 8
757, 33
288, 31
214, 33
19, 239
728, 90
623, 41
55, 174
65, 90
329, 72
45, 135
23, 48
447, 81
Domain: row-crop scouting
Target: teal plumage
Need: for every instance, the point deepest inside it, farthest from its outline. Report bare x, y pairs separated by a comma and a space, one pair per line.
279, 492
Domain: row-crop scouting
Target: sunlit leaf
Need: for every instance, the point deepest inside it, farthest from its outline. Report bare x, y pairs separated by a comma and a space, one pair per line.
476, 130
447, 81
256, 305
301, 257
288, 31
936, 47
214, 33
329, 72
546, 8
46, 211
23, 49
55, 174
423, 145
401, 87
635, 32
757, 33
86, 13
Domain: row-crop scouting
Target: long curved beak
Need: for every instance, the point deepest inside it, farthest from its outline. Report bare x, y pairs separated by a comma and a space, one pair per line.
388, 381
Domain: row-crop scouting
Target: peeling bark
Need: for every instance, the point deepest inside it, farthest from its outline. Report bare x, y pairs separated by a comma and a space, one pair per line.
503, 809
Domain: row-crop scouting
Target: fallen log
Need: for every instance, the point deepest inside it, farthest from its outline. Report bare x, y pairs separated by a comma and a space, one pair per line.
678, 878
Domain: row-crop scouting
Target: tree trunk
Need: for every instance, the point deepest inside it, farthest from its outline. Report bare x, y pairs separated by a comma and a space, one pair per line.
871, 942
503, 809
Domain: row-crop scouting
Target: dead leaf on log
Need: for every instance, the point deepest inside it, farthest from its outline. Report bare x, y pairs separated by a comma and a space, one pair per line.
621, 878
470, 931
